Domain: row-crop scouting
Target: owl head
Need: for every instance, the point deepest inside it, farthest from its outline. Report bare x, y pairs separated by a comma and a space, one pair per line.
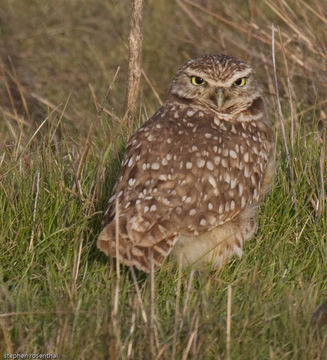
220, 82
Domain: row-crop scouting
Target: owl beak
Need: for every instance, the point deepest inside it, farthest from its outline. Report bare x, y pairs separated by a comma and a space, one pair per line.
220, 97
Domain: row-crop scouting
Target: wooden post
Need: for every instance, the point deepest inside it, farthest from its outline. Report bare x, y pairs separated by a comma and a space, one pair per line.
135, 62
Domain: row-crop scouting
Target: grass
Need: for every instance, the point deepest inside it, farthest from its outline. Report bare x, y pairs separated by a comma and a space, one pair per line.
58, 293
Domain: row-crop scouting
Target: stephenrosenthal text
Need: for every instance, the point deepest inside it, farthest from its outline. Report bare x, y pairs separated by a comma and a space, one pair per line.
30, 356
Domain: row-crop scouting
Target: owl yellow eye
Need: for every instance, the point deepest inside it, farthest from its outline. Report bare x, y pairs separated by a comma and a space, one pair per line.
196, 80
240, 81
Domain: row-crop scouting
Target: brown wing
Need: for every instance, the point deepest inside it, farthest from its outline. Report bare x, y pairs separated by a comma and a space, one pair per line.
144, 220
183, 172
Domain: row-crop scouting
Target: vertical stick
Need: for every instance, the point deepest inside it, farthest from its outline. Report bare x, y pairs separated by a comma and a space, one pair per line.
116, 297
228, 327
188, 293
115, 344
134, 64
289, 89
281, 120
34, 211
178, 292
152, 296
77, 261
322, 171
131, 331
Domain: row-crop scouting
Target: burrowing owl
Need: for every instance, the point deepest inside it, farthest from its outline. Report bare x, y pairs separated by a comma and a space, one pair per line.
194, 173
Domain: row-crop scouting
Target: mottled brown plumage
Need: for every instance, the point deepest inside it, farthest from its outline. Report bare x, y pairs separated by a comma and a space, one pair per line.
195, 172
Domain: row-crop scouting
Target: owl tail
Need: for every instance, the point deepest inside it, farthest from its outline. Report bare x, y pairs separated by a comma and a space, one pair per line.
134, 253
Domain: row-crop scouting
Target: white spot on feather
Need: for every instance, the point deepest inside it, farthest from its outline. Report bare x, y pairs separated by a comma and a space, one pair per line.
131, 181
227, 177
155, 166
212, 181
233, 183
238, 251
216, 160
200, 163
203, 222
209, 165
192, 212
246, 171
216, 121
232, 154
